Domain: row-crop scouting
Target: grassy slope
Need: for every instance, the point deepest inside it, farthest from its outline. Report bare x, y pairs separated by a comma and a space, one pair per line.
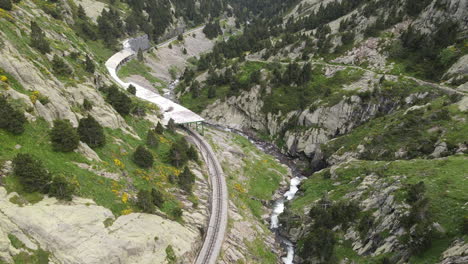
104, 191
446, 188
135, 67
256, 180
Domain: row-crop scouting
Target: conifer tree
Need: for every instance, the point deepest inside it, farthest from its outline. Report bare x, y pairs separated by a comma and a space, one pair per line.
60, 67
91, 132
140, 55
151, 139
89, 65
81, 12
159, 129
131, 89
31, 173
143, 157
186, 180
158, 198
11, 120
145, 201
61, 189
38, 39
64, 137
6, 5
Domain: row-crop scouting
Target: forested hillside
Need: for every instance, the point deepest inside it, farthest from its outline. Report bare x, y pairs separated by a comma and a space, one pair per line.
370, 96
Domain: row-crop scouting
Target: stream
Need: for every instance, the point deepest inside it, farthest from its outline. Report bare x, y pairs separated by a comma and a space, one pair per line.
278, 205
270, 149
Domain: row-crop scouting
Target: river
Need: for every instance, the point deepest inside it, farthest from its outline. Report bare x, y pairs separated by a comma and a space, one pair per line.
271, 149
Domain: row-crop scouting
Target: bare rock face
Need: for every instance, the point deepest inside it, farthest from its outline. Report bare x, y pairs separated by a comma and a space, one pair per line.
458, 70
457, 253
75, 232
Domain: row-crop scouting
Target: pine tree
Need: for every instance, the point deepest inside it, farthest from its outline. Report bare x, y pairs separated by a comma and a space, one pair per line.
211, 92
131, 89
140, 55
91, 132
6, 5
38, 39
151, 139
11, 119
171, 125
31, 173
184, 51
81, 12
143, 157
89, 65
186, 180
159, 129
119, 100
145, 201
64, 137
158, 198
195, 89
170, 46
192, 153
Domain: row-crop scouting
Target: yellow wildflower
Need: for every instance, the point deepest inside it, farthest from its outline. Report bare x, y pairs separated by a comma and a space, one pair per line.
3, 78
124, 197
126, 211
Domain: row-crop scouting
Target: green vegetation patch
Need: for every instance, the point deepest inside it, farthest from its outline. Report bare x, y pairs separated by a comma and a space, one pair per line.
135, 67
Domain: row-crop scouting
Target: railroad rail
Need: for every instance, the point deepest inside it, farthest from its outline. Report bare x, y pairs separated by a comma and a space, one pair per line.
214, 236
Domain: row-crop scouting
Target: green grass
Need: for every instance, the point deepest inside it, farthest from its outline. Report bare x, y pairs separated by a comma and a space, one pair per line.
407, 131
135, 67
262, 254
446, 188
104, 191
329, 91
200, 103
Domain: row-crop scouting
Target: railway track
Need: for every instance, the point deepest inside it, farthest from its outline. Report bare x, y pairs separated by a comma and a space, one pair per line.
214, 236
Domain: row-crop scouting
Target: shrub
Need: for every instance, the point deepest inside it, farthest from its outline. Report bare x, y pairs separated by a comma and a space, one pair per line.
145, 201
61, 188
131, 89
91, 132
60, 67
11, 119
140, 55
157, 197
415, 192
186, 180
6, 4
31, 173
64, 136
143, 158
170, 255
87, 105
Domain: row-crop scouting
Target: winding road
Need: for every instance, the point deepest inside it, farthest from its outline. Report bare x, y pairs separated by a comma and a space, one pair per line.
215, 233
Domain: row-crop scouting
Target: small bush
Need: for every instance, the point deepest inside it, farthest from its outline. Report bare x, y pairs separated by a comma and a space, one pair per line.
131, 89
31, 173
11, 119
64, 136
143, 158
87, 105
60, 67
61, 189
145, 201
170, 255
157, 197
